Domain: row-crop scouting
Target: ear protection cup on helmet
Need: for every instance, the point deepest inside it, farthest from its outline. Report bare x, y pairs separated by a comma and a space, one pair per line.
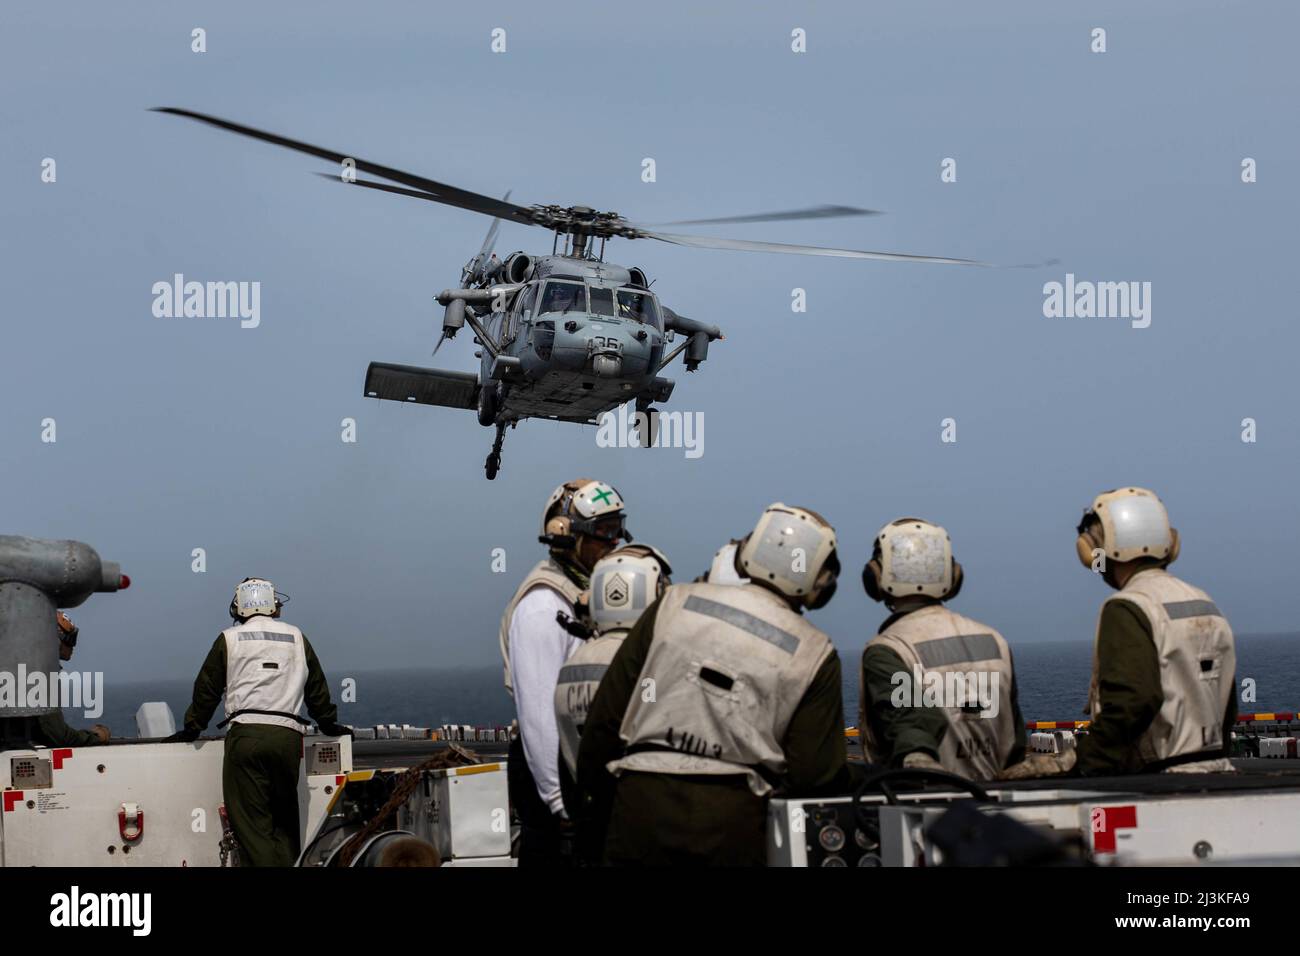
1087, 542
1174, 545
958, 576
826, 583
871, 580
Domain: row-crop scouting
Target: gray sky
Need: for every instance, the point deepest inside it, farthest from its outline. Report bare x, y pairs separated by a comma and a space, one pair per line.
175, 434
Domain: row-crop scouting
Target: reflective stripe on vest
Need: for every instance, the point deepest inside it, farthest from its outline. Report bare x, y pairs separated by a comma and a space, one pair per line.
726, 670
576, 688
549, 574
1198, 663
941, 645
266, 673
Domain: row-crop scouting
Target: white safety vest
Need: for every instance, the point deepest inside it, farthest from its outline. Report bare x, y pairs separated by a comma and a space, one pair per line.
546, 574
266, 670
1198, 663
576, 688
727, 668
964, 653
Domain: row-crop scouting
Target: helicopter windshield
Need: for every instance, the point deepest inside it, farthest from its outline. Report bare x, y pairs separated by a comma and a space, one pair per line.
602, 301
563, 297
639, 306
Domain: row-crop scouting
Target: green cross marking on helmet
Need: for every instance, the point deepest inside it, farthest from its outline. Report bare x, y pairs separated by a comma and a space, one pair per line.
603, 497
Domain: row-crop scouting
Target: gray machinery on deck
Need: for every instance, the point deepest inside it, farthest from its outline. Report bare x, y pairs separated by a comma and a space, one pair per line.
37, 577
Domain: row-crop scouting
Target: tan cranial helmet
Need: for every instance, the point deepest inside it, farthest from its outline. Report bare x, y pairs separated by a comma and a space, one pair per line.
624, 583
911, 557
1126, 524
792, 551
575, 508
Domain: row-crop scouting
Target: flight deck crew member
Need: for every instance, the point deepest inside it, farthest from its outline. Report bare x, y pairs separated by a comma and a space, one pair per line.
722, 570
582, 522
266, 670
1164, 662
937, 689
52, 730
623, 584
720, 696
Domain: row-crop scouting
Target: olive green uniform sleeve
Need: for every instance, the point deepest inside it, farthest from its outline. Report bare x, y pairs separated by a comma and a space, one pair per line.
1019, 748
898, 731
1128, 689
317, 692
55, 732
209, 687
815, 757
1230, 719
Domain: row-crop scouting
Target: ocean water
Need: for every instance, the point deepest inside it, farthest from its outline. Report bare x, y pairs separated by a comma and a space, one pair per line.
1052, 677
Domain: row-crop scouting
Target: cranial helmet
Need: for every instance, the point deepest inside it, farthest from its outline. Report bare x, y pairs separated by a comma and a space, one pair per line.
911, 556
624, 583
575, 508
792, 551
723, 569
1126, 524
254, 596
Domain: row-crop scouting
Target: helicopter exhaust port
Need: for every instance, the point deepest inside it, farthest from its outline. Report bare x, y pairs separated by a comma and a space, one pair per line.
517, 267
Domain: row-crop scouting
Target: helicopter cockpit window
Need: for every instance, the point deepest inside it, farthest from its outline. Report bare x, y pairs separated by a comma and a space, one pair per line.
639, 306
563, 297
602, 301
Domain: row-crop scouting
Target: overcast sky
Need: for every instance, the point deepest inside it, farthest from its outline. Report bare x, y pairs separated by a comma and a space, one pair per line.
176, 434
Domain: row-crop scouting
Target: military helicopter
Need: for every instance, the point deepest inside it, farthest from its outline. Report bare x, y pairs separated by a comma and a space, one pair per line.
566, 336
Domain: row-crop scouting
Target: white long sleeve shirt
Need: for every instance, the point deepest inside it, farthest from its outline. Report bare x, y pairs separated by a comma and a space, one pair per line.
539, 646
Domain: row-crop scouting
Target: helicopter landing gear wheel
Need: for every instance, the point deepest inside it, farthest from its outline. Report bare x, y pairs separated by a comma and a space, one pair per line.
493, 463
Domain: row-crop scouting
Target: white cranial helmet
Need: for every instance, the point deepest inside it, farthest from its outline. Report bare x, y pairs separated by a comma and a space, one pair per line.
575, 507
253, 596
624, 583
792, 551
723, 569
1127, 523
911, 557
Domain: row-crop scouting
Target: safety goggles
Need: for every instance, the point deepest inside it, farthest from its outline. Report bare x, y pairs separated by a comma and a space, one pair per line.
604, 528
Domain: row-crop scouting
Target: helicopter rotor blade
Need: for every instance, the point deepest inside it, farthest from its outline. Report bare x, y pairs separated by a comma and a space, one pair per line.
813, 212
491, 239
745, 245
385, 187
421, 187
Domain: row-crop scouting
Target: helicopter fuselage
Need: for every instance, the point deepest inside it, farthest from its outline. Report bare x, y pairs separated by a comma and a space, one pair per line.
578, 338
